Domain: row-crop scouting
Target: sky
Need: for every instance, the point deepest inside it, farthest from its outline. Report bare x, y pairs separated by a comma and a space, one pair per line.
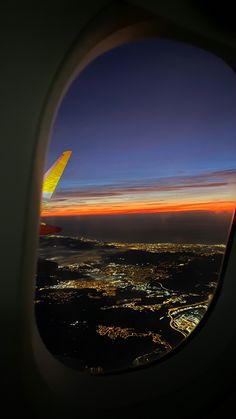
151, 126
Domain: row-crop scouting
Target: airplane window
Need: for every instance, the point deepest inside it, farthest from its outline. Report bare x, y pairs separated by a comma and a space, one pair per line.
137, 205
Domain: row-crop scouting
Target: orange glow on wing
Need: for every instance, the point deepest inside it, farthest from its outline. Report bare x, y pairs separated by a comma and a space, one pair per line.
137, 208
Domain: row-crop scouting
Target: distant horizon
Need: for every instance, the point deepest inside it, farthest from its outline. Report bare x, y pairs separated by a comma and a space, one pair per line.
81, 237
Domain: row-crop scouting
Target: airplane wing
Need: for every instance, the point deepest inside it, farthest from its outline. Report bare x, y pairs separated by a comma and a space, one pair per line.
50, 181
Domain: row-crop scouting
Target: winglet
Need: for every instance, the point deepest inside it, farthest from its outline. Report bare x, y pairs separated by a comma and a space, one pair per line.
53, 175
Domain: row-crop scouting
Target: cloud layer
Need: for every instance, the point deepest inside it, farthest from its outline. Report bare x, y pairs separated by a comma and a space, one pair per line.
209, 191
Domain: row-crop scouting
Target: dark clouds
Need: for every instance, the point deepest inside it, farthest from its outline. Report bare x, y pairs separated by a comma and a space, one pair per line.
187, 227
168, 184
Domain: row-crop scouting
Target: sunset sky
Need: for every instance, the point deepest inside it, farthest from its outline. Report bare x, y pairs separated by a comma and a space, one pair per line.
151, 126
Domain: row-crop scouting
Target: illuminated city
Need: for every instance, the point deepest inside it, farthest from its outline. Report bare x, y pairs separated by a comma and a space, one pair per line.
146, 298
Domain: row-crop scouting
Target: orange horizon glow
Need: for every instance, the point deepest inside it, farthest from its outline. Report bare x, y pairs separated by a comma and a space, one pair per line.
124, 208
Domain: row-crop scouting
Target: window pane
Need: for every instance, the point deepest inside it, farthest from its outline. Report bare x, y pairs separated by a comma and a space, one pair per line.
137, 205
